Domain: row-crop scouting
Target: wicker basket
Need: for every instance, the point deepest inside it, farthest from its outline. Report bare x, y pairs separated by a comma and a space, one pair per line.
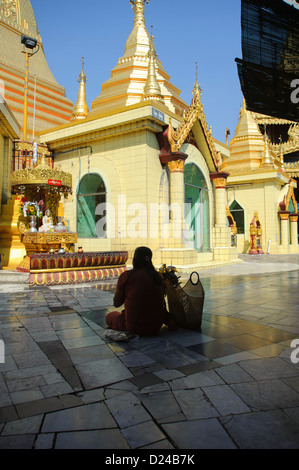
185, 304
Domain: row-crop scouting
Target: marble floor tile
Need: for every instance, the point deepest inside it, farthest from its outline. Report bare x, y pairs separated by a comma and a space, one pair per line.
199, 379
246, 341
268, 368
267, 395
233, 373
86, 417
136, 358
142, 434
237, 357
214, 349
160, 404
23, 426
127, 410
263, 430
90, 354
87, 440
225, 400
82, 341
194, 404
199, 434
102, 372
274, 334
20, 442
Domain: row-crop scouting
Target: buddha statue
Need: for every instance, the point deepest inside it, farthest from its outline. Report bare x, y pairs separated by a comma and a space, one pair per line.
48, 225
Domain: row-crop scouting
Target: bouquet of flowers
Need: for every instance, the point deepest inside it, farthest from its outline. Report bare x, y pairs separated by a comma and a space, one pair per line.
168, 273
28, 208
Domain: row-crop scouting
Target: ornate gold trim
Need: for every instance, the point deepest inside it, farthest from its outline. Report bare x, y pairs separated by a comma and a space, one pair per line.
176, 166
290, 196
284, 215
28, 147
292, 145
190, 115
41, 175
292, 169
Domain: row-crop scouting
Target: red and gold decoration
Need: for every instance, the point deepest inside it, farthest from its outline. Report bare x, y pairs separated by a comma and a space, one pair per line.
47, 269
256, 233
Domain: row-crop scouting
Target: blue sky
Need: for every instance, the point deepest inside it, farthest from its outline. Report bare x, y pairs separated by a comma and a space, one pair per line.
189, 31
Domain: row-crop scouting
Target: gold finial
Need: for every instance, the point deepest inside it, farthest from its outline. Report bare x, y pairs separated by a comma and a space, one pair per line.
243, 108
138, 7
152, 88
281, 154
197, 90
267, 160
81, 109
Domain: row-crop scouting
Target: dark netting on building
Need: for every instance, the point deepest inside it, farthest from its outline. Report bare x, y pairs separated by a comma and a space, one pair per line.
269, 71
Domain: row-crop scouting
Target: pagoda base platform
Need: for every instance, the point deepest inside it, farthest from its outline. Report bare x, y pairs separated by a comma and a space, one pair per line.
47, 269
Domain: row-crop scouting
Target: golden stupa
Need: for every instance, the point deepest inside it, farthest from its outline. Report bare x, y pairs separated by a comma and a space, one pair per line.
52, 107
128, 79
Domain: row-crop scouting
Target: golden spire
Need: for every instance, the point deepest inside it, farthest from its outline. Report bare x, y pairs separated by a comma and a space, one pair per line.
197, 91
81, 110
152, 88
138, 7
267, 158
281, 155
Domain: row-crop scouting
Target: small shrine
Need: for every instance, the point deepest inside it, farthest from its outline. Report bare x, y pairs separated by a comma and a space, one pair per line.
288, 214
256, 233
40, 187
50, 255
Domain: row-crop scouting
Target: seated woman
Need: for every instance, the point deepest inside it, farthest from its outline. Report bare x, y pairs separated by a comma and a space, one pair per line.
141, 290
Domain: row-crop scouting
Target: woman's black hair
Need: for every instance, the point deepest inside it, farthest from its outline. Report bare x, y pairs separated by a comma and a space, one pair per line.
143, 259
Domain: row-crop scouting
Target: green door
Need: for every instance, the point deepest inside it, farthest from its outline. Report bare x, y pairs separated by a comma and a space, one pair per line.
92, 192
197, 208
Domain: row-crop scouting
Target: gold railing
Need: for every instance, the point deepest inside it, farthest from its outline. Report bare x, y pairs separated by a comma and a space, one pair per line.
28, 154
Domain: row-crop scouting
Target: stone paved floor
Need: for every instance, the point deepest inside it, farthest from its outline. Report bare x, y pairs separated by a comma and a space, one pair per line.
231, 385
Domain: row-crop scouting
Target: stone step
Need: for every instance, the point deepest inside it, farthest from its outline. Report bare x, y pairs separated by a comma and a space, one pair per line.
13, 277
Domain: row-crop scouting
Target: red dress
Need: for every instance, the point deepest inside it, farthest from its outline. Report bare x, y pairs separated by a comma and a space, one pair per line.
143, 297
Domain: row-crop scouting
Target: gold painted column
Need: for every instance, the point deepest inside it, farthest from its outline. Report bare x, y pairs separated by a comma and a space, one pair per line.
219, 180
284, 222
294, 229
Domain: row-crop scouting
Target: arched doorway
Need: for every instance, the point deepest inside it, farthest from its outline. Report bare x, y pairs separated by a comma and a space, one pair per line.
91, 193
197, 212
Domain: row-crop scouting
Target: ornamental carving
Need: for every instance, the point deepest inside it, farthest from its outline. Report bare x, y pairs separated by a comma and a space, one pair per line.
190, 115
176, 166
8, 8
292, 145
220, 183
28, 147
138, 7
284, 205
284, 215
41, 175
219, 179
292, 169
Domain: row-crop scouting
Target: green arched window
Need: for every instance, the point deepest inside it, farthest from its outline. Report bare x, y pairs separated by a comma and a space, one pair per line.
197, 205
238, 214
92, 193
